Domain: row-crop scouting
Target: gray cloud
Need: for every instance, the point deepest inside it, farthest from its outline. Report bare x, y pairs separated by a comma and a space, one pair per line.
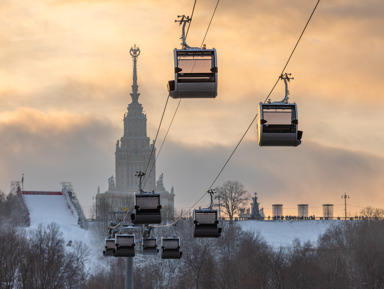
312, 173
49, 149
68, 66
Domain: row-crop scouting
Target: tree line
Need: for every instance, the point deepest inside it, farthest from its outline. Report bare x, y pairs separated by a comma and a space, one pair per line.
349, 255
39, 259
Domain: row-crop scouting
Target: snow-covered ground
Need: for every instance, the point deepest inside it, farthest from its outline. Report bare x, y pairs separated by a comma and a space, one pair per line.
47, 208
282, 233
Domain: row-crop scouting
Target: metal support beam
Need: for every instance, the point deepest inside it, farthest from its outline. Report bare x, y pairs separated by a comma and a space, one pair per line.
129, 273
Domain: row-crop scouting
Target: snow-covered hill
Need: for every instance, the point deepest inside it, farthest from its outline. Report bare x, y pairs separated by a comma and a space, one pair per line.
283, 233
54, 207
47, 207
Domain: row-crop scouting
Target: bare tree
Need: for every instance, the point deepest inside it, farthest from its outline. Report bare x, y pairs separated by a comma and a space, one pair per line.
372, 213
10, 210
198, 269
12, 249
167, 213
47, 264
106, 203
231, 196
251, 262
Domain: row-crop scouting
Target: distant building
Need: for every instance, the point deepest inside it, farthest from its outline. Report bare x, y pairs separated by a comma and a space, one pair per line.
133, 151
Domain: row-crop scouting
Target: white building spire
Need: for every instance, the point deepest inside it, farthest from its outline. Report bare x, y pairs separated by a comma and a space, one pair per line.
134, 148
135, 52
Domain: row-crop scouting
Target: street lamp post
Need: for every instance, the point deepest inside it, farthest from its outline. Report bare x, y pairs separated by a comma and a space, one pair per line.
345, 197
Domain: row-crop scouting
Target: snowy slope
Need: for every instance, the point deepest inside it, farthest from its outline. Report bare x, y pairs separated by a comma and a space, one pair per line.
283, 233
48, 208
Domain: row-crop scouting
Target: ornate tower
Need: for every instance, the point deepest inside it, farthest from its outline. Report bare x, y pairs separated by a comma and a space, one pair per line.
134, 148
257, 214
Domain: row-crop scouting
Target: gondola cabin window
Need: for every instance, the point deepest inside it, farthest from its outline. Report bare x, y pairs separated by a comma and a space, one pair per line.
195, 63
125, 241
147, 202
149, 242
278, 116
206, 218
171, 244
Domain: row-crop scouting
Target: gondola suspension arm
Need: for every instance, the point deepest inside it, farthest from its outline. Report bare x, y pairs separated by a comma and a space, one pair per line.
184, 20
211, 192
286, 78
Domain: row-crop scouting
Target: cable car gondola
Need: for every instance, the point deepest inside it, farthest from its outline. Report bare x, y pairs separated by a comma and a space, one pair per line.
278, 122
109, 247
195, 70
125, 245
206, 223
170, 248
150, 246
147, 209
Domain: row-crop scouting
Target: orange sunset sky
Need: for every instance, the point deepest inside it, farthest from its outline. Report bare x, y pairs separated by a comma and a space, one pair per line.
66, 75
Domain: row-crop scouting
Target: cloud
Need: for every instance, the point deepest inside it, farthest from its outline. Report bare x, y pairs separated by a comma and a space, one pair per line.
66, 74
311, 173
53, 147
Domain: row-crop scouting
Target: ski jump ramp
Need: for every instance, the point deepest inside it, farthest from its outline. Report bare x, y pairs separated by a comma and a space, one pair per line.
48, 207
61, 207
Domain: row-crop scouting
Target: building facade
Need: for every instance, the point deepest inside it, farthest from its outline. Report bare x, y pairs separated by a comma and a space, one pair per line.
134, 149
135, 153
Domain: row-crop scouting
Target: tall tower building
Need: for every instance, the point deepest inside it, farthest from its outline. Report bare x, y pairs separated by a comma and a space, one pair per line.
134, 149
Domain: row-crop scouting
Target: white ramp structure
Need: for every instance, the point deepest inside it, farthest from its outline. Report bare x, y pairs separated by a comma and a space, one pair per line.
45, 207
49, 207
